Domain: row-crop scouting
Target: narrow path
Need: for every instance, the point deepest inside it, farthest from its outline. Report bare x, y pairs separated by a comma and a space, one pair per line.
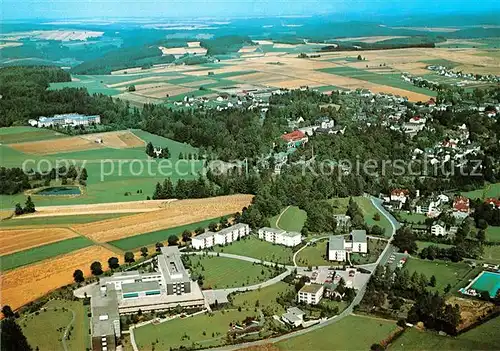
97, 243
279, 217
65, 336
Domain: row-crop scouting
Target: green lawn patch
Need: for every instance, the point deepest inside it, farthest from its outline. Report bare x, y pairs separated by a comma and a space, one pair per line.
492, 254
493, 234
43, 252
440, 62
264, 298
445, 272
351, 333
490, 190
223, 272
175, 147
412, 217
61, 220
45, 330
93, 86
369, 212
204, 330
375, 248
423, 244
137, 241
10, 135
314, 255
483, 337
252, 246
392, 80
231, 74
292, 219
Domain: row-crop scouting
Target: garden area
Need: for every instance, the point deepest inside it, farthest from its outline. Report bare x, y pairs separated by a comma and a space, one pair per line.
222, 272
314, 255
251, 246
291, 219
264, 298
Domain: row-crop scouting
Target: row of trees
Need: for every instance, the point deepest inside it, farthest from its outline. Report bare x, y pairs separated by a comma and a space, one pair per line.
185, 189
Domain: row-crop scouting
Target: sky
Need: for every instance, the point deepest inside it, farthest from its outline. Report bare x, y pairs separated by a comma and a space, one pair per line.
66, 9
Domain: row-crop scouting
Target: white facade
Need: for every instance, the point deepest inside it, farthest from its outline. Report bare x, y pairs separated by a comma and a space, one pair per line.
438, 229
311, 294
280, 237
339, 247
69, 119
222, 237
399, 195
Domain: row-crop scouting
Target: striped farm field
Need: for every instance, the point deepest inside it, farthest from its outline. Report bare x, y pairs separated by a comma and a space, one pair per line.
173, 214
24, 134
39, 253
25, 284
22, 239
51, 221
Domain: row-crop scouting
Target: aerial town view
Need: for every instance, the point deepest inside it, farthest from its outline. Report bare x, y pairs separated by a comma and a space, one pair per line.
254, 175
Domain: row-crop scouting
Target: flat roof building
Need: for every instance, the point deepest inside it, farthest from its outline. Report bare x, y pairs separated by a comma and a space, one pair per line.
280, 237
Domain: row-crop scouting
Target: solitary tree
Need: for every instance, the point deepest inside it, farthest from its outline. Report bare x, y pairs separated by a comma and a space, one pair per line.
432, 282
129, 257
173, 240
150, 149
7, 311
158, 246
78, 276
186, 236
144, 251
12, 337
113, 263
96, 268
29, 206
18, 210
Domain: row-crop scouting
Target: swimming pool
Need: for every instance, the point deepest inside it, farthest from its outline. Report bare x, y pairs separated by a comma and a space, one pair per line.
487, 281
60, 190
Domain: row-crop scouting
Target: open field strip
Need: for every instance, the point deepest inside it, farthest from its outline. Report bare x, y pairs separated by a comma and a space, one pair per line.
103, 208
39, 253
373, 39
57, 221
24, 134
351, 333
47, 147
174, 214
120, 139
22, 239
482, 337
127, 83
25, 284
150, 238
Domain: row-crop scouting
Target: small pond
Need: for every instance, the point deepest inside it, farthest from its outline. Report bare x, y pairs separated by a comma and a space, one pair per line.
60, 190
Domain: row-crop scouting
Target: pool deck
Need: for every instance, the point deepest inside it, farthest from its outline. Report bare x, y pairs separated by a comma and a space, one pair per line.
471, 291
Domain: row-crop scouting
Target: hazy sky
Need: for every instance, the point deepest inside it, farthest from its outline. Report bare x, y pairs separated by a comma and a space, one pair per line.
61, 9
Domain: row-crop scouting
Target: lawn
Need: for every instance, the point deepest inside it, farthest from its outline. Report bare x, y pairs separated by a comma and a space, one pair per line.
264, 298
43, 252
251, 246
314, 255
392, 80
483, 337
351, 333
61, 220
291, 219
45, 330
137, 241
93, 86
490, 190
369, 212
423, 244
445, 272
174, 147
204, 330
412, 217
492, 254
493, 234
223, 272
375, 248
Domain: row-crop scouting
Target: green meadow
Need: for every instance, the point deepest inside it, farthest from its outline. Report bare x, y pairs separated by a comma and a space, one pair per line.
25, 257
60, 220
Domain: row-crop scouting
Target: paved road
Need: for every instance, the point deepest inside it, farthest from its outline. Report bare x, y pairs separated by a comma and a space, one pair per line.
359, 296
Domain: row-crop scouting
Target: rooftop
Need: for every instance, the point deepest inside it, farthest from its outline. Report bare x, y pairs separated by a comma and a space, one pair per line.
140, 286
273, 230
358, 236
170, 264
336, 243
104, 312
311, 288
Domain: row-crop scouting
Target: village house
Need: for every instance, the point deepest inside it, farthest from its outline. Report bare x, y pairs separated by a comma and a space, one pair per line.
293, 316
223, 237
280, 237
295, 139
461, 207
438, 229
399, 197
311, 294
339, 248
495, 203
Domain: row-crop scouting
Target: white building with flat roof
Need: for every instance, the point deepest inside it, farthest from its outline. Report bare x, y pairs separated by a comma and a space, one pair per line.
68, 119
311, 294
339, 247
280, 236
223, 237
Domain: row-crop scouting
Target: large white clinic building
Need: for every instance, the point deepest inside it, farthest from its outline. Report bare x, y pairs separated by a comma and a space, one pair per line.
280, 237
339, 247
68, 119
223, 237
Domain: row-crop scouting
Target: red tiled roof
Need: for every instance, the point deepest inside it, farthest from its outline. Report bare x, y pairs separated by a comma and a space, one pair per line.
400, 191
492, 201
461, 204
293, 136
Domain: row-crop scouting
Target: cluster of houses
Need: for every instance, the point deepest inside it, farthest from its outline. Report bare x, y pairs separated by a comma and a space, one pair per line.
449, 73
65, 120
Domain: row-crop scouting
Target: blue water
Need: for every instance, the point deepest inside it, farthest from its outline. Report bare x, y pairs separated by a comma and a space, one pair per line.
60, 190
489, 282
